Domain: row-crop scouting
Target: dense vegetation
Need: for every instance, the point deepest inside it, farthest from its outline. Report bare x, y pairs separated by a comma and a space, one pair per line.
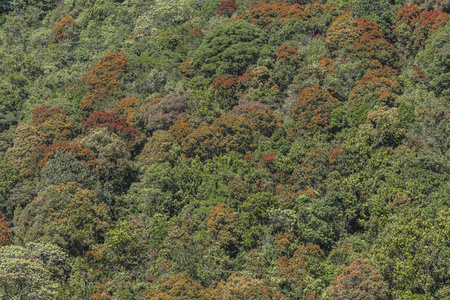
208, 149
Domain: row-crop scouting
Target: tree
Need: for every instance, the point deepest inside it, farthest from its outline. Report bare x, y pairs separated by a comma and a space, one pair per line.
387, 127
161, 148
225, 134
313, 109
254, 218
33, 271
42, 154
181, 129
65, 168
226, 8
52, 125
20, 155
225, 87
66, 215
359, 281
290, 274
177, 287
260, 117
256, 84
163, 14
436, 5
63, 29
239, 286
114, 124
229, 48
372, 44
412, 253
434, 61
111, 153
376, 88
9, 177
362, 38
101, 81
342, 34
265, 15
220, 225
163, 114
5, 232
413, 27
128, 108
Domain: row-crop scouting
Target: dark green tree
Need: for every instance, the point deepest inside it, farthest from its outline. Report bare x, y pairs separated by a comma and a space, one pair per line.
229, 48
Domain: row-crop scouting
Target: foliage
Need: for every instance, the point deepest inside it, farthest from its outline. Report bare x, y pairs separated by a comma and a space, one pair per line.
115, 124
66, 215
209, 149
227, 8
376, 87
63, 29
313, 109
229, 48
413, 27
413, 262
5, 233
31, 272
111, 153
163, 114
101, 80
225, 134
434, 61
359, 281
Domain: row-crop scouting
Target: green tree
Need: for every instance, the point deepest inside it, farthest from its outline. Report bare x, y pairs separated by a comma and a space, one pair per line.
32, 272
111, 153
435, 61
66, 215
413, 253
229, 48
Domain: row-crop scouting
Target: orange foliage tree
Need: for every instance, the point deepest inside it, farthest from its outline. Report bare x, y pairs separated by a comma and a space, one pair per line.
260, 117
359, 281
220, 223
376, 87
290, 273
101, 80
178, 286
63, 29
41, 155
181, 129
413, 27
359, 37
52, 124
313, 109
5, 232
371, 44
226, 8
266, 13
239, 286
109, 289
315, 167
257, 84
127, 108
225, 87
227, 133
115, 124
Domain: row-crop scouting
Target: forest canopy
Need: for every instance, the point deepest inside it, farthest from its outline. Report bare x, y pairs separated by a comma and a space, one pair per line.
235, 149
